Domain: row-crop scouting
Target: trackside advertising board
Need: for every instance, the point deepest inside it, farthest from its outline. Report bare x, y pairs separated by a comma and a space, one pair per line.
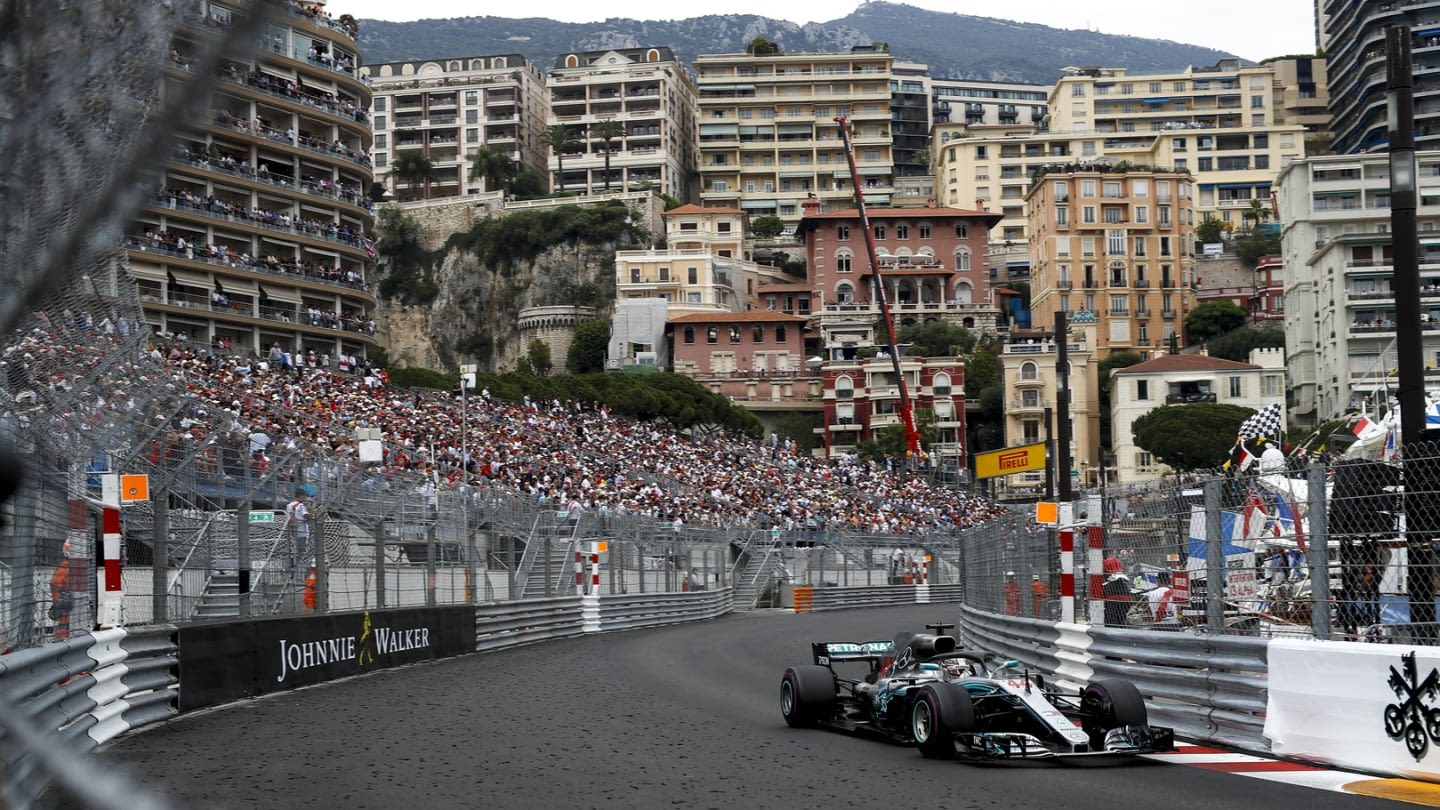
1368, 707
1011, 460
228, 661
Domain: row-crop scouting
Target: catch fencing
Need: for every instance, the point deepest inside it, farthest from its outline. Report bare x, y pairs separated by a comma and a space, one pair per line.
1343, 550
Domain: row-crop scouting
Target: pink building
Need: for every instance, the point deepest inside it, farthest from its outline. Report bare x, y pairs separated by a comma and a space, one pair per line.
862, 398
928, 256
1269, 304
747, 356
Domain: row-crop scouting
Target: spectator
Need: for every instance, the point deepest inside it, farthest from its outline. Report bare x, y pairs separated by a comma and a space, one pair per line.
1118, 596
1163, 610
311, 582
1012, 595
65, 583
1038, 591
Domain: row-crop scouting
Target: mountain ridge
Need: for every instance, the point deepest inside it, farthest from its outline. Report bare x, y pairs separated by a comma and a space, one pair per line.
954, 45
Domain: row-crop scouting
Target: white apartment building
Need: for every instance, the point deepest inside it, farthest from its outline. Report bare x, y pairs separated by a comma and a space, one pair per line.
1183, 379
1339, 302
1226, 125
447, 108
768, 138
1027, 369
705, 267
967, 101
645, 90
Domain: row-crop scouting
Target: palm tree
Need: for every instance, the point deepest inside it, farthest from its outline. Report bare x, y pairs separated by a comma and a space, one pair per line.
607, 131
413, 168
492, 166
558, 138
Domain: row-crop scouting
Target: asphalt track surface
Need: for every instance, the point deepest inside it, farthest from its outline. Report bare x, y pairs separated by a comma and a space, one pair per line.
685, 716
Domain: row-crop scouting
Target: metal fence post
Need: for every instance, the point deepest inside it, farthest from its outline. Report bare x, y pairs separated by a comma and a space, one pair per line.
430, 559
1214, 561
242, 547
322, 569
160, 564
1319, 553
545, 552
380, 564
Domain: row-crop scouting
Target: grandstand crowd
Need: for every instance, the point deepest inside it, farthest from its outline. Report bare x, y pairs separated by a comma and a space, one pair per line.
225, 411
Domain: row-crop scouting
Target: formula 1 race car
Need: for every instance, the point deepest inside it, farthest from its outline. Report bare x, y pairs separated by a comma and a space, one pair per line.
921, 689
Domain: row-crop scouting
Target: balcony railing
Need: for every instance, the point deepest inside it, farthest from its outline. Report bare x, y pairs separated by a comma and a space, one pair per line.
222, 257
299, 142
322, 319
258, 218
1186, 399
334, 191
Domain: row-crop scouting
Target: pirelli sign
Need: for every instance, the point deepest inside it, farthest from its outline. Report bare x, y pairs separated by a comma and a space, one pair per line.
1009, 461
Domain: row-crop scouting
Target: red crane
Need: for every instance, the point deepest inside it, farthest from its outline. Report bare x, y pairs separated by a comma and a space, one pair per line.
907, 410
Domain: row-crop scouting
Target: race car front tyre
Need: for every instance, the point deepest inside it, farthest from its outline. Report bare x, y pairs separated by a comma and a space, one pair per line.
940, 711
807, 693
1111, 703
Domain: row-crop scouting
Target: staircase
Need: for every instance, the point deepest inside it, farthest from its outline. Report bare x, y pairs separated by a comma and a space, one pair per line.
761, 564
561, 540
221, 598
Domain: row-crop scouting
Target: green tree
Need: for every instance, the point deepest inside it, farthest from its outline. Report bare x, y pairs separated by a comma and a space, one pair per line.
767, 227
413, 169
1237, 343
405, 263
1211, 319
607, 131
800, 427
921, 158
987, 432
937, 339
890, 440
1190, 437
1104, 369
762, 46
671, 203
493, 167
1255, 214
350, 24
559, 138
378, 193
982, 372
589, 348
527, 184
1208, 232
538, 353
1255, 245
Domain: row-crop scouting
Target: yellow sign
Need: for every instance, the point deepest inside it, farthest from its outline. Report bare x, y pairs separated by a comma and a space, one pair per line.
134, 488
1011, 460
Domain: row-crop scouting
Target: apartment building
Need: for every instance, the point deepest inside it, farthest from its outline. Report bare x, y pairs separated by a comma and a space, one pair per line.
1221, 123
1183, 379
1117, 243
705, 266
648, 92
445, 109
989, 166
1302, 93
258, 232
1353, 39
768, 135
1339, 302
976, 103
1030, 382
862, 398
910, 120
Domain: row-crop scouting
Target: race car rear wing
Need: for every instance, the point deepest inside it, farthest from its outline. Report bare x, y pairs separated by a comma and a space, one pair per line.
830, 652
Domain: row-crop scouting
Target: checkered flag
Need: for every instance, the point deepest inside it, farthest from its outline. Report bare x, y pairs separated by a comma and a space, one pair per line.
1264, 423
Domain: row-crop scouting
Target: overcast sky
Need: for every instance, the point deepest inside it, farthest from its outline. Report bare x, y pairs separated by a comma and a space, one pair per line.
1253, 29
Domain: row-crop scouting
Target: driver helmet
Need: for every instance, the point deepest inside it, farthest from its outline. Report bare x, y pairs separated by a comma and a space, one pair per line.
933, 668
956, 667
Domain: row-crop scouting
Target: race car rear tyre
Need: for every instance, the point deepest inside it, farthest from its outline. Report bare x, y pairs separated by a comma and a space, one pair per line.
1111, 703
940, 711
807, 693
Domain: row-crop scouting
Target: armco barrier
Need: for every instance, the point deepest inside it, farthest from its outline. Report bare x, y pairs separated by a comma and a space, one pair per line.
77, 694
630, 611
526, 621
821, 599
1210, 689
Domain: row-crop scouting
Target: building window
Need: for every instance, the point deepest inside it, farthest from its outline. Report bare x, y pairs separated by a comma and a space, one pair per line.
924, 230
634, 275
757, 334
1030, 431
842, 232
1236, 387
780, 334
902, 231
941, 385
692, 275
844, 388
689, 334
1087, 188
472, 135
1142, 459
1029, 371
1272, 385
1142, 389
843, 261
1062, 217
845, 293
962, 259
879, 231
712, 335
734, 334
1087, 214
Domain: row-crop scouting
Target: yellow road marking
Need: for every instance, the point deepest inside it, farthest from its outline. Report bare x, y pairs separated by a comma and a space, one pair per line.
1400, 790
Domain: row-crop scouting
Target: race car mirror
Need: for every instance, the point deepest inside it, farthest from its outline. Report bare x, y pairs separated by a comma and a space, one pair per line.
1012, 664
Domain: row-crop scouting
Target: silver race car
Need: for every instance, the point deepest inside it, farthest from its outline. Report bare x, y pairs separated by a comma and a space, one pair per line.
921, 689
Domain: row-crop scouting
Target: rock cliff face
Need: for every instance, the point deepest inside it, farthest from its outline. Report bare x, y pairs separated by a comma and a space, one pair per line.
474, 317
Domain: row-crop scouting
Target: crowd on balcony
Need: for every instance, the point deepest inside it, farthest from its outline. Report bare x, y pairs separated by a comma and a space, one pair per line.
323, 186
573, 456
182, 200
259, 126
176, 244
